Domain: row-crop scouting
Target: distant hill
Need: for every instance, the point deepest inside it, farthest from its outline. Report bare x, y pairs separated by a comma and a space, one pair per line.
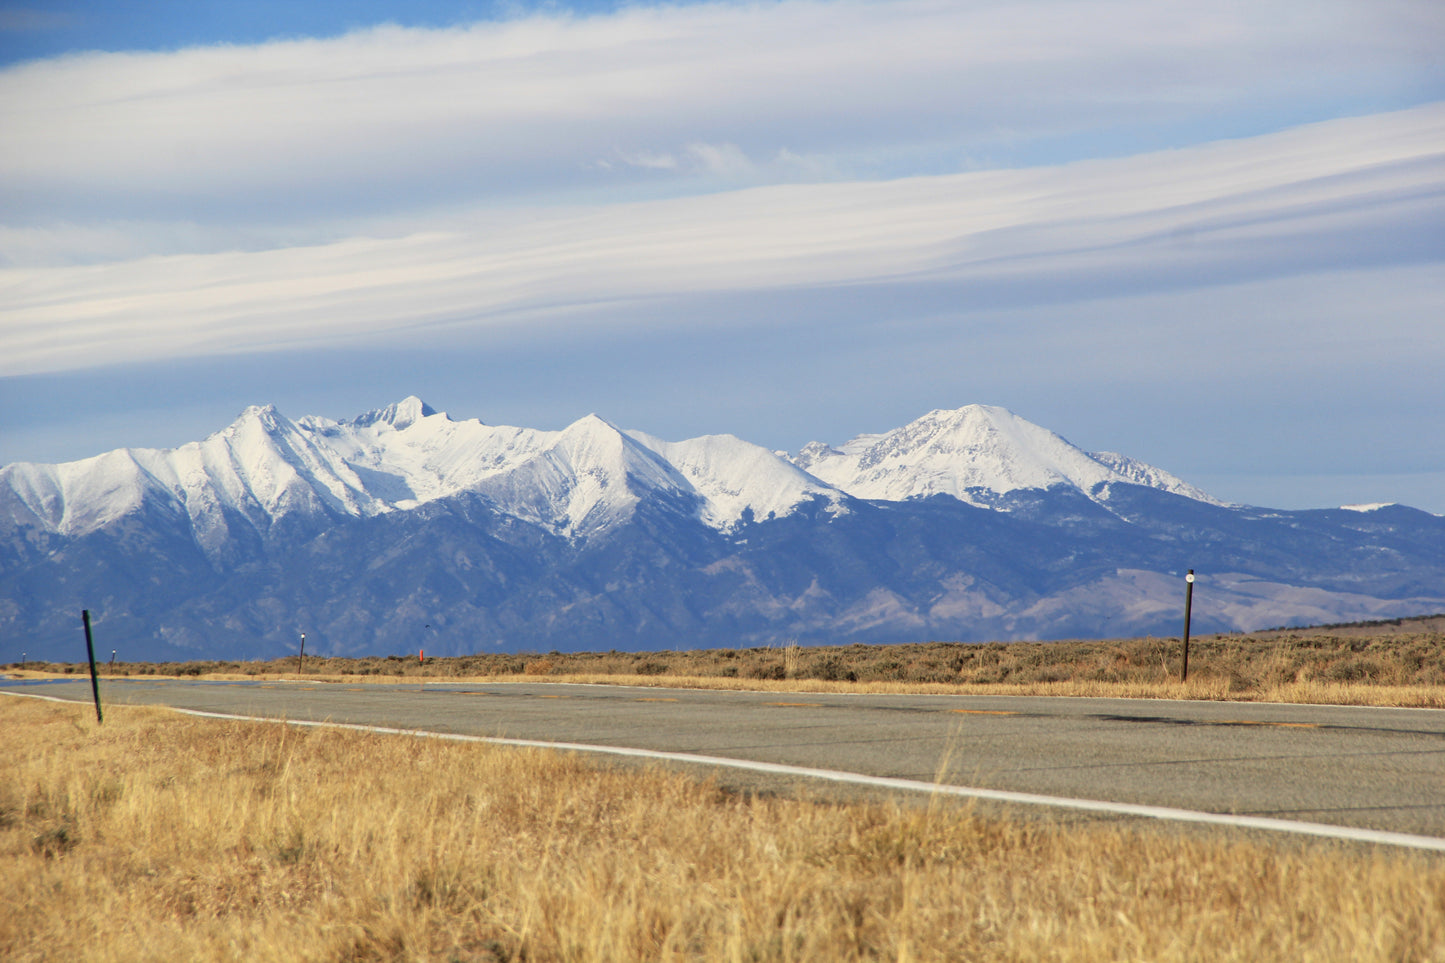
1373, 629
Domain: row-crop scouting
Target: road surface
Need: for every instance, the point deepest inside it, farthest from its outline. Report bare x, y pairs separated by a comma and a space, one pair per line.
1375, 769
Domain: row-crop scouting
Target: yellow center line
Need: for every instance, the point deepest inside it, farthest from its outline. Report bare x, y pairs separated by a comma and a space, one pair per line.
984, 712
654, 700
800, 705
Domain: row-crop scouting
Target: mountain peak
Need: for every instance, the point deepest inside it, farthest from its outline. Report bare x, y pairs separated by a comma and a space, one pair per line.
260, 412
970, 453
401, 415
811, 453
974, 453
266, 417
593, 422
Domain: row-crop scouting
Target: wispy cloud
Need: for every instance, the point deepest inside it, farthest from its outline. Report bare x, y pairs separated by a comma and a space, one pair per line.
1346, 194
724, 160
643, 159
292, 136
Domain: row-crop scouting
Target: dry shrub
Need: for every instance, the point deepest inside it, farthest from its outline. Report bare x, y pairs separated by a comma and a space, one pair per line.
1403, 668
830, 668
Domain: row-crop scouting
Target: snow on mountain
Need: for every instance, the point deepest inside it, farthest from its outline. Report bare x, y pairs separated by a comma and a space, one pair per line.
589, 476
403, 414
734, 477
575, 482
974, 454
262, 467
1140, 473
409, 454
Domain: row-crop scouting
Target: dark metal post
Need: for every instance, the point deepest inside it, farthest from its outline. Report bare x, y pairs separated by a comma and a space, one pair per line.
90, 652
1188, 604
300, 659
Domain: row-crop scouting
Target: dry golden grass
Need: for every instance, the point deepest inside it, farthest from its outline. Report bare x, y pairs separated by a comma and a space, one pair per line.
1393, 667
163, 837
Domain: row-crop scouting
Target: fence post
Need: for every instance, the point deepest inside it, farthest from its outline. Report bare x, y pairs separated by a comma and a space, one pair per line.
1188, 604
90, 653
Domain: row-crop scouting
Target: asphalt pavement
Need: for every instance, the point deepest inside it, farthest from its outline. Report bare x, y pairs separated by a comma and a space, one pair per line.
1380, 769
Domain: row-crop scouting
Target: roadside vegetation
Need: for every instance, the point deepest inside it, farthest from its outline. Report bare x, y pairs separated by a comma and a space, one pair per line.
159, 836
1400, 662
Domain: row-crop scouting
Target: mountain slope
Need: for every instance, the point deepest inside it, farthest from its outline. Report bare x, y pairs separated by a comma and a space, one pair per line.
739, 481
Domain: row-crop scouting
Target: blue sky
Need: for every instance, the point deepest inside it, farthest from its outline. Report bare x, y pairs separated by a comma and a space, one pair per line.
1207, 235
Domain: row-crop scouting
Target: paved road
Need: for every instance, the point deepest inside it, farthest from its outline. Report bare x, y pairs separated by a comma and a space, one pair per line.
1378, 769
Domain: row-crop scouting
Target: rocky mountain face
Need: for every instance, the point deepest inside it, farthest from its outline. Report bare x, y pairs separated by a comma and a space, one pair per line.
404, 529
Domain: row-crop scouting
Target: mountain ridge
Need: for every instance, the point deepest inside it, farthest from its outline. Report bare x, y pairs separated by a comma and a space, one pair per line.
577, 480
403, 528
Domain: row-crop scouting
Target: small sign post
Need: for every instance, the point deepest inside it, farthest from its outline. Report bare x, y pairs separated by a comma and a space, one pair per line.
90, 653
1188, 604
301, 657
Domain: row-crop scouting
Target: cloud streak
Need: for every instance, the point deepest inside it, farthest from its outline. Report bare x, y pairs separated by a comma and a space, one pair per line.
388, 120
1344, 194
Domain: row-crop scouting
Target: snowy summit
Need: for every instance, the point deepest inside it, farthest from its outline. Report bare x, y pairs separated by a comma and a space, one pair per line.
975, 454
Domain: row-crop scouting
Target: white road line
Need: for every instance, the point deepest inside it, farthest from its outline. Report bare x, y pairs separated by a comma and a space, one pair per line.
1349, 833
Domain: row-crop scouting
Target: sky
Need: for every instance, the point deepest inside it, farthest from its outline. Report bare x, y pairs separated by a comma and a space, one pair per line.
1208, 235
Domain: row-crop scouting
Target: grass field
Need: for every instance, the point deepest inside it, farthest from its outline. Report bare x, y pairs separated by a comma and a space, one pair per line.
1400, 662
164, 837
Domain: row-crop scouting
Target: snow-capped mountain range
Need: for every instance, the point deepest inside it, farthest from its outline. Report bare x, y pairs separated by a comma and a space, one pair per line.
576, 482
967, 524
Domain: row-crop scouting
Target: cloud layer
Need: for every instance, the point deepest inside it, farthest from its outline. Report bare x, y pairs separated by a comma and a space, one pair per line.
1349, 194
264, 145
